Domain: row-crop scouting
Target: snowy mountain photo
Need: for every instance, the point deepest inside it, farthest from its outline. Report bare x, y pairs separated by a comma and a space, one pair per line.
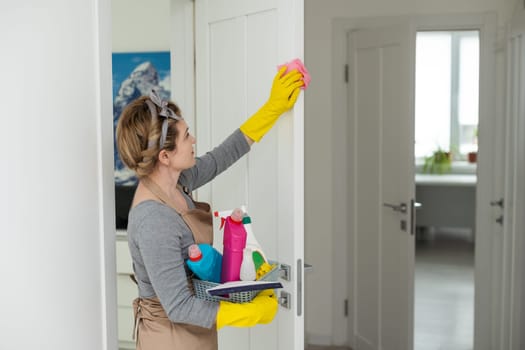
134, 75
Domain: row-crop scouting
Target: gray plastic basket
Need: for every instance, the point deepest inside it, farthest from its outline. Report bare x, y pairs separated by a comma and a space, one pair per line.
238, 297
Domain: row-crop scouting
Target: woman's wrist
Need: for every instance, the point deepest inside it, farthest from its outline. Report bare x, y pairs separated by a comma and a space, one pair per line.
249, 141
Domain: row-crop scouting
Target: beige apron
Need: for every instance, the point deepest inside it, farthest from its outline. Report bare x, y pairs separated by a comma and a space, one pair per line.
153, 330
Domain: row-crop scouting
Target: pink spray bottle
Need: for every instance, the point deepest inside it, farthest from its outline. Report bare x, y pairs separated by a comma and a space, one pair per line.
234, 242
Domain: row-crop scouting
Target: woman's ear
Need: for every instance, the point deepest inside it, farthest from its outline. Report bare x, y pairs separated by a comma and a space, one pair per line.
164, 157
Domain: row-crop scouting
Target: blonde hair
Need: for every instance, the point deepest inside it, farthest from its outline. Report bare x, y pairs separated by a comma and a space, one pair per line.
136, 129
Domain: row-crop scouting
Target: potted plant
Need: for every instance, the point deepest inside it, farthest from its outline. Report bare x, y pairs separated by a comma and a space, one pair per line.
439, 162
472, 157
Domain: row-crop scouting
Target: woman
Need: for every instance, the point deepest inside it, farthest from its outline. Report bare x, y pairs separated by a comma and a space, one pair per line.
153, 140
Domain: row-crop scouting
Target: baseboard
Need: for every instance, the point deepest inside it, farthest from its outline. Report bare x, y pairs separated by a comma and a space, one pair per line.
318, 339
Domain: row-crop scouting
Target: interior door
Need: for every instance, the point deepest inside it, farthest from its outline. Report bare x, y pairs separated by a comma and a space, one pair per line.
512, 281
239, 44
381, 62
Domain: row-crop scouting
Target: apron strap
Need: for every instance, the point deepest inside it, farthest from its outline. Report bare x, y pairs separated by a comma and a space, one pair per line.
157, 191
136, 318
199, 219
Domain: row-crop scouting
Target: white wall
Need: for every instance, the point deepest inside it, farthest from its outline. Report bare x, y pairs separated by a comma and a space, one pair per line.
159, 25
325, 154
139, 25
57, 226
56, 209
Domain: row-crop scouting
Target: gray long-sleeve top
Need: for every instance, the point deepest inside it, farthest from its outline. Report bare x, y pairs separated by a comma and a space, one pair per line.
158, 240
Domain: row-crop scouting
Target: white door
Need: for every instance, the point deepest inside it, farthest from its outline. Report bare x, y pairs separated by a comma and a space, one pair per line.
512, 278
239, 44
381, 80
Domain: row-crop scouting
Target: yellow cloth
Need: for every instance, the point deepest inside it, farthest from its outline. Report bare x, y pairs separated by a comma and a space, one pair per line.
284, 93
261, 310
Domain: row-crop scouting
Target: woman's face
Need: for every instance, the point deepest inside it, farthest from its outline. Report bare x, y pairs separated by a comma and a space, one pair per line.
183, 155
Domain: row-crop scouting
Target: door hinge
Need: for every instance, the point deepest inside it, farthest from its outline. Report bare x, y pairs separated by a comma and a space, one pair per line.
346, 72
285, 272
345, 308
285, 300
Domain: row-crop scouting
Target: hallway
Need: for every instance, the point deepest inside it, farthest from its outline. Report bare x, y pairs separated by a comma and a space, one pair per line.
316, 347
444, 292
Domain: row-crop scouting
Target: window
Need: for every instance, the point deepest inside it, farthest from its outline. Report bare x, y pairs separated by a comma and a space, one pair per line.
447, 92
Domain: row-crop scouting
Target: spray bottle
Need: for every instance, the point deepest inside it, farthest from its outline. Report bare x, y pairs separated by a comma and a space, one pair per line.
254, 263
251, 241
234, 242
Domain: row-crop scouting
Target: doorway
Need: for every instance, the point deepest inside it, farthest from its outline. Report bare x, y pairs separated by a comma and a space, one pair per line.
445, 152
352, 102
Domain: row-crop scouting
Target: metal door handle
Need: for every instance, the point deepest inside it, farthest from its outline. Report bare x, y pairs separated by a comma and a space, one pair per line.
308, 267
402, 207
285, 298
413, 206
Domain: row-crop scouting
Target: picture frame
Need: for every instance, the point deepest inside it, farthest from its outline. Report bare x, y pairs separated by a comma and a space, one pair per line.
134, 74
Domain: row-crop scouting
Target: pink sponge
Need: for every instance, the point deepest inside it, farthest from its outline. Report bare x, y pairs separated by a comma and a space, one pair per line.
298, 64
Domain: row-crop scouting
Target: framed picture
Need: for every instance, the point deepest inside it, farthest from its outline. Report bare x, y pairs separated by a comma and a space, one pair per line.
134, 74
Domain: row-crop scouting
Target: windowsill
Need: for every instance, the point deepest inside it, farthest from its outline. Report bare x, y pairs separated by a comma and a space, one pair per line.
121, 233
461, 174
457, 168
446, 180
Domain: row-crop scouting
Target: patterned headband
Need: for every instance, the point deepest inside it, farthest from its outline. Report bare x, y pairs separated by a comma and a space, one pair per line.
165, 111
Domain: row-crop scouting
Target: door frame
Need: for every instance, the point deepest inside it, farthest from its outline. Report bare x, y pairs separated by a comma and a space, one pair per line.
487, 329
182, 57
343, 208
490, 185
184, 80
513, 307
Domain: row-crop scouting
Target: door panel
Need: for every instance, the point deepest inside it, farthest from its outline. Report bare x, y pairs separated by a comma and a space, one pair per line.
368, 169
381, 95
513, 281
238, 47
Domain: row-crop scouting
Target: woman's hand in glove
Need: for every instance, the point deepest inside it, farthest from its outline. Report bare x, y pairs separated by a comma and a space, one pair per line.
284, 93
285, 90
261, 310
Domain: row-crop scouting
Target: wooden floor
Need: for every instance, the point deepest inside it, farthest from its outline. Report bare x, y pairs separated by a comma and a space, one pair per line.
444, 292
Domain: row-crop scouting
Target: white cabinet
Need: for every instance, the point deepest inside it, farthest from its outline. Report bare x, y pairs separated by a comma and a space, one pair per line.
447, 201
126, 292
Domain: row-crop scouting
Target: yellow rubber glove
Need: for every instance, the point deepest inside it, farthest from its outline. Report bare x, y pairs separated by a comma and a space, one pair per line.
260, 310
284, 93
